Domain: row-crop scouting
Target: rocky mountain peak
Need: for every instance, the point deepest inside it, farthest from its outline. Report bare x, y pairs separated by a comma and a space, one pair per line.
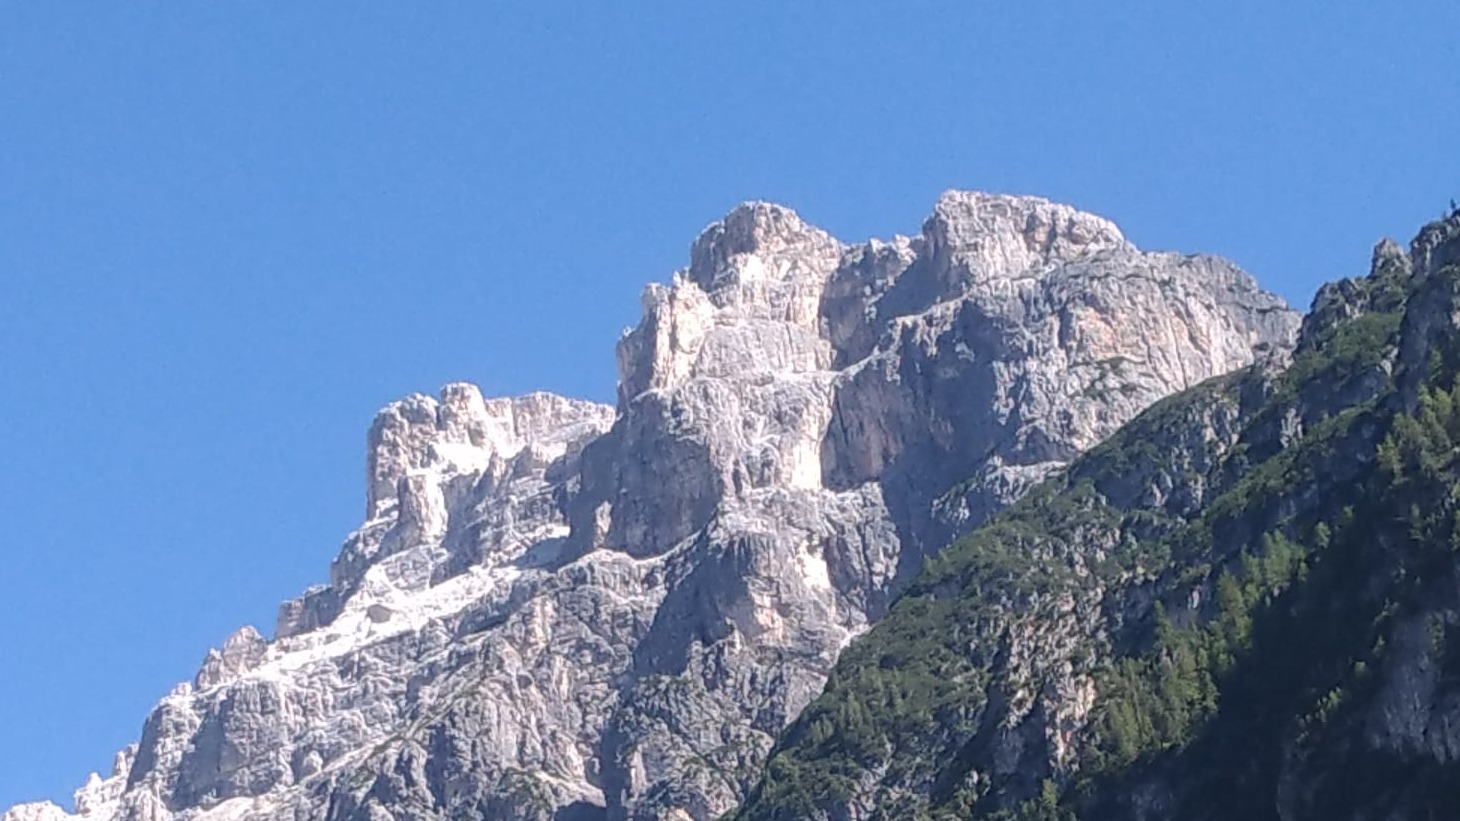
774, 236
994, 236
1242, 604
1388, 255
1437, 246
557, 609
1431, 330
749, 300
241, 651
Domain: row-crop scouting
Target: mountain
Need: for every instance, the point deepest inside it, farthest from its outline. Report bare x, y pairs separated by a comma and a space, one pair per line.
561, 610
1243, 605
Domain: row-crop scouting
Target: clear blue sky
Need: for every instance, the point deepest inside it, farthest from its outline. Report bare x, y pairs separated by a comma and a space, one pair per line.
229, 232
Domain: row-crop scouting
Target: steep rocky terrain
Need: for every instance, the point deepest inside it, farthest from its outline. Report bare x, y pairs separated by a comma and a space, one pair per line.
561, 610
1243, 605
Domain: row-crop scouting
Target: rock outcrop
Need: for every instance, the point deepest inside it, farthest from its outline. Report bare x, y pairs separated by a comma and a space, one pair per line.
562, 610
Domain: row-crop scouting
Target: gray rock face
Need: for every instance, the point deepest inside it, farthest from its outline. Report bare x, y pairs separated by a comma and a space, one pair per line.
561, 610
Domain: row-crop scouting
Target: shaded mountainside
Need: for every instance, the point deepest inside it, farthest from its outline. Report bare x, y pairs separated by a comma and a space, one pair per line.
563, 611
1245, 604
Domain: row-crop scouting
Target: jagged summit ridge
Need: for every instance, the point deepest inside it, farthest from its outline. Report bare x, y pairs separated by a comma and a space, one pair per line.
559, 607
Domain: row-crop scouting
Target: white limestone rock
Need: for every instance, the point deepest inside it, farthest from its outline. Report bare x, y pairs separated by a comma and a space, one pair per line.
562, 610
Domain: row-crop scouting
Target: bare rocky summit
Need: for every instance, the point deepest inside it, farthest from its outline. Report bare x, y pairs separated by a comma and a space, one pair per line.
562, 610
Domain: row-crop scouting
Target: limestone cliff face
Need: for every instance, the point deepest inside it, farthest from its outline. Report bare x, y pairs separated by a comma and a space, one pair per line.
561, 610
